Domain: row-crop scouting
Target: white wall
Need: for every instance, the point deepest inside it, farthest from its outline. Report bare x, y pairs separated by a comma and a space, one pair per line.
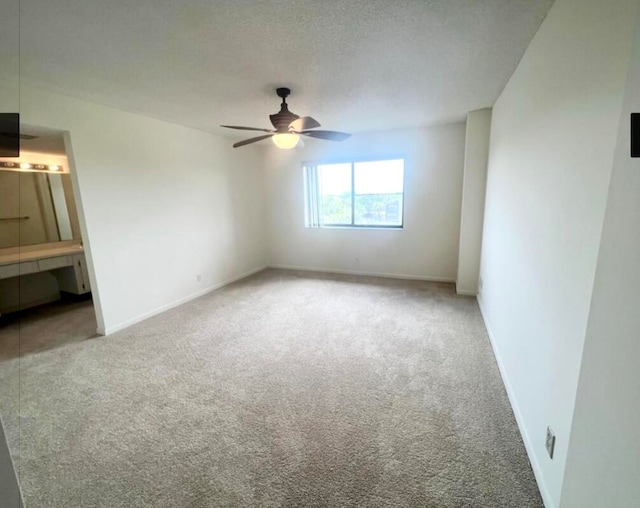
476, 156
427, 247
553, 136
603, 467
159, 205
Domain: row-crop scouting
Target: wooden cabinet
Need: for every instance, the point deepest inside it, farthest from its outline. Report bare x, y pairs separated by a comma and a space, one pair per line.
70, 270
53, 263
15, 269
75, 278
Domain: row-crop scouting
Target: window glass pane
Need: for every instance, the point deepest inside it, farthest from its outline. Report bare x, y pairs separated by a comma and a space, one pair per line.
378, 193
378, 210
379, 177
334, 182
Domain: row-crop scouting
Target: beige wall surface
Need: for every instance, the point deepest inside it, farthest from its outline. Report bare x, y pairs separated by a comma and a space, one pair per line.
159, 205
553, 137
603, 466
476, 154
426, 248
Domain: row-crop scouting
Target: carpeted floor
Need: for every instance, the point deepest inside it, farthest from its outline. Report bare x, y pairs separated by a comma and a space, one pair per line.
284, 389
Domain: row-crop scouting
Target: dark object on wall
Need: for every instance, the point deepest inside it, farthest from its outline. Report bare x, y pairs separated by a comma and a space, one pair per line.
635, 134
9, 135
288, 127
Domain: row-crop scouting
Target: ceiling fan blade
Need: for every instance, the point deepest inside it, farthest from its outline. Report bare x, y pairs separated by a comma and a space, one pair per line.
246, 128
331, 135
303, 123
251, 140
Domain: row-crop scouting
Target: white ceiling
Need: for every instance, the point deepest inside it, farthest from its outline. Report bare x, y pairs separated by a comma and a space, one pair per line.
354, 65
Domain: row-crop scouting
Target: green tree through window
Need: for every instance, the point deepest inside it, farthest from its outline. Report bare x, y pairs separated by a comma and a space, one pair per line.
359, 194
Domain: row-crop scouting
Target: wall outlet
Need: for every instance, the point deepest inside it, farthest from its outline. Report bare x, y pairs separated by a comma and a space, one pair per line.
199, 278
550, 442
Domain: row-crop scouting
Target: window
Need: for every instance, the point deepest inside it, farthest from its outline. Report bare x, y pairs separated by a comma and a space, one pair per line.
355, 194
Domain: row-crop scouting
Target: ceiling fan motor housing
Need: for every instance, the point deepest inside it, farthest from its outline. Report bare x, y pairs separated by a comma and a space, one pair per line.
284, 117
282, 121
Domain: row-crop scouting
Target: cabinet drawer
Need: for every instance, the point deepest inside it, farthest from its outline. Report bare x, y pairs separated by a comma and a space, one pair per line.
53, 263
29, 267
16, 269
7, 271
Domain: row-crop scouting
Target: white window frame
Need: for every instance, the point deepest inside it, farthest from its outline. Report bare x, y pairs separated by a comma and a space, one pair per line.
312, 197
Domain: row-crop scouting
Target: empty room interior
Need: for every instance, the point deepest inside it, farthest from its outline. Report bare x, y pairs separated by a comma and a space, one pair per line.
320, 254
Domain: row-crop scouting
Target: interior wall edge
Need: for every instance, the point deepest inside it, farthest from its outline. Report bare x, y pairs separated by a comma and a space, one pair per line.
48, 87
86, 237
549, 173
474, 185
602, 459
528, 443
465, 292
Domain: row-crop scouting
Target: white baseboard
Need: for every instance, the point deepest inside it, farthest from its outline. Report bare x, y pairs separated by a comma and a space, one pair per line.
367, 274
125, 324
466, 292
537, 472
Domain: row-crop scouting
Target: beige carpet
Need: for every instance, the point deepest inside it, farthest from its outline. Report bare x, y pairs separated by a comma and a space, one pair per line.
285, 389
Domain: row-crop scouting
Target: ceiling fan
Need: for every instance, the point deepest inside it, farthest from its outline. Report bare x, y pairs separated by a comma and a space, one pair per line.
288, 127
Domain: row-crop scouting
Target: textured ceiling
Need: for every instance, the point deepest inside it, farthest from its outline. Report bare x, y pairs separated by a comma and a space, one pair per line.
355, 65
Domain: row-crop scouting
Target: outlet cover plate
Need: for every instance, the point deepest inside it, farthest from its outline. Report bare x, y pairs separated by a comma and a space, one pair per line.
550, 442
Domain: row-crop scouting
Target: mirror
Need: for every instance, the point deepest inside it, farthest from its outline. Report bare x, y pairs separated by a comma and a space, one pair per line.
36, 207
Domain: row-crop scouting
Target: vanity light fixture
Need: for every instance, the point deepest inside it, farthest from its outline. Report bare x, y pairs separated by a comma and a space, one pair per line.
31, 165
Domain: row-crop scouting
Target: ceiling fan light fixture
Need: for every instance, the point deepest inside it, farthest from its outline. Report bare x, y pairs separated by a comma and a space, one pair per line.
288, 128
285, 140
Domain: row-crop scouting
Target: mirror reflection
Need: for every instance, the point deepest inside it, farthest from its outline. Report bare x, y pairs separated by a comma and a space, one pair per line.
36, 208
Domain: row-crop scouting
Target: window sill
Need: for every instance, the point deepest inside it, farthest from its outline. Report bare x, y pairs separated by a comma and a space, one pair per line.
361, 228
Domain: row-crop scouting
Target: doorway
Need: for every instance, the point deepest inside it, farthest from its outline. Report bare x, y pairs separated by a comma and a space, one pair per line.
45, 287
